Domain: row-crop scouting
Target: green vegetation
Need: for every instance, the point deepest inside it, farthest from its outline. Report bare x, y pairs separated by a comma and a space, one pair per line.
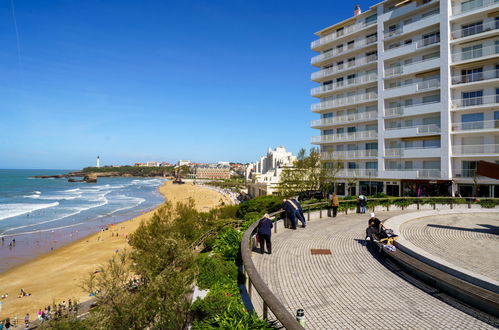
131, 170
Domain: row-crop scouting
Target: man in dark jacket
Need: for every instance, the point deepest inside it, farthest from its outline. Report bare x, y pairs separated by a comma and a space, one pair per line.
264, 232
290, 211
298, 211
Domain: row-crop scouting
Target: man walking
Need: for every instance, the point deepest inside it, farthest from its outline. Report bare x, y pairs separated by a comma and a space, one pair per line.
290, 212
264, 233
334, 204
298, 211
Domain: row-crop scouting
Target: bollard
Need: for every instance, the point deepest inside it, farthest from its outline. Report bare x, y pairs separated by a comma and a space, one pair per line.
469, 203
320, 213
308, 215
451, 204
417, 203
300, 317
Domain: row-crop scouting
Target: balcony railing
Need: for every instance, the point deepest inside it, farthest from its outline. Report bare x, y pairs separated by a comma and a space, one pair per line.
475, 101
475, 29
340, 34
416, 66
464, 172
340, 68
475, 125
429, 173
401, 110
400, 29
350, 154
343, 50
353, 117
357, 172
477, 149
399, 152
347, 100
421, 85
475, 76
470, 6
354, 136
475, 53
421, 129
338, 85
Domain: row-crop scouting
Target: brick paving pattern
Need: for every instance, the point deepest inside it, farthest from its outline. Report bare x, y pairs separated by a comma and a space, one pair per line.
470, 241
349, 289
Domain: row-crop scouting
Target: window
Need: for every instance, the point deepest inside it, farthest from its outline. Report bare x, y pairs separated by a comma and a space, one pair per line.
328, 132
339, 49
497, 26
339, 65
351, 62
471, 29
471, 75
431, 98
408, 42
372, 165
431, 143
408, 103
340, 32
408, 165
431, 38
471, 52
339, 82
430, 13
372, 56
472, 121
469, 168
408, 61
431, 164
371, 19
340, 130
431, 56
352, 165
472, 98
470, 5
351, 44
351, 78
352, 147
370, 38
340, 147
327, 115
374, 145
496, 119
351, 129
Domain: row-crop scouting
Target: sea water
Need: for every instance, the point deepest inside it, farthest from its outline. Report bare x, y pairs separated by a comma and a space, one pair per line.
30, 205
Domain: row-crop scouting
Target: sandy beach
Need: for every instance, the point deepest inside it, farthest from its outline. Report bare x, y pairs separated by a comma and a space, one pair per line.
57, 275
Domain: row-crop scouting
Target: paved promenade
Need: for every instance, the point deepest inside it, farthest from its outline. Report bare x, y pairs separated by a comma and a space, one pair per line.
443, 236
350, 288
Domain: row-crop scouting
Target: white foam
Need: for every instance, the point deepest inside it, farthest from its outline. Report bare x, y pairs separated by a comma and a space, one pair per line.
15, 209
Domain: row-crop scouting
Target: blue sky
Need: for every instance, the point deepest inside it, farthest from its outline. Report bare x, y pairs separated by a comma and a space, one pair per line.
156, 80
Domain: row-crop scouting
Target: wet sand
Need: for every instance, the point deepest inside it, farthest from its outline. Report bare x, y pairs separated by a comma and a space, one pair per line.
57, 275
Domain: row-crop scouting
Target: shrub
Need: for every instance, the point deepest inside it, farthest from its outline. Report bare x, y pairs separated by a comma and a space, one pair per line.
227, 244
489, 203
214, 270
260, 205
215, 302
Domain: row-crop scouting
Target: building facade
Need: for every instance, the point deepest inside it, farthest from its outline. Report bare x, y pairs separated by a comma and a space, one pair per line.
409, 97
262, 177
212, 172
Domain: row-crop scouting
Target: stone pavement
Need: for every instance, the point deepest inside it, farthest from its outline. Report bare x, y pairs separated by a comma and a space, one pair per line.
351, 288
470, 241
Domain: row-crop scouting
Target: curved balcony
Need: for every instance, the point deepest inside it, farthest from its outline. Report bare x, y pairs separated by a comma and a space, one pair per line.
349, 118
354, 136
319, 75
345, 101
473, 126
475, 77
344, 50
475, 150
475, 102
339, 85
475, 54
346, 31
350, 154
472, 6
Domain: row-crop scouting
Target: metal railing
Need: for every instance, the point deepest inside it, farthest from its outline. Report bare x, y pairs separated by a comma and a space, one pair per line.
475, 53
428, 173
474, 29
475, 149
347, 30
470, 6
398, 70
399, 111
399, 152
475, 101
357, 172
345, 66
354, 136
400, 29
343, 50
475, 76
360, 116
420, 85
350, 154
345, 100
429, 128
476, 125
338, 85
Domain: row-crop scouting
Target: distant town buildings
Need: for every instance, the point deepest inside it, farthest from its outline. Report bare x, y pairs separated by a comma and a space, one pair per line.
262, 177
183, 162
152, 164
213, 171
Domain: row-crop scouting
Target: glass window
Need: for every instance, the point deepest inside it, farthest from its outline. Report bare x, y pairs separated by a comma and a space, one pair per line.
340, 32
471, 4
351, 62
370, 38
431, 98
352, 165
472, 98
470, 52
351, 44
372, 165
327, 115
496, 120
431, 143
431, 56
431, 38
408, 165
374, 145
370, 19
471, 29
328, 132
471, 75
469, 168
351, 129
352, 147
340, 147
340, 130
472, 121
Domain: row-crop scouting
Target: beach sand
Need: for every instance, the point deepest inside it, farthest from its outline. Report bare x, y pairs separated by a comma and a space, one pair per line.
57, 275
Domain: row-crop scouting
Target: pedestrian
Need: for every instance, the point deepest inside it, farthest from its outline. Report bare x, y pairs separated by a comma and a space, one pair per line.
334, 204
298, 211
26, 320
1, 325
362, 203
7, 324
290, 212
264, 233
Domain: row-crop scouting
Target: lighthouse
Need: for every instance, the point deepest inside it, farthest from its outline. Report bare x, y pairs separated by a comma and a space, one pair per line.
98, 162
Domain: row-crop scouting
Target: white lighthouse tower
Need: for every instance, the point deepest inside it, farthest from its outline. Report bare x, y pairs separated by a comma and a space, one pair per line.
98, 161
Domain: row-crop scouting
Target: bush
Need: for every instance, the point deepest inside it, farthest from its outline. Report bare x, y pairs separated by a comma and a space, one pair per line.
260, 205
214, 270
489, 203
227, 244
216, 302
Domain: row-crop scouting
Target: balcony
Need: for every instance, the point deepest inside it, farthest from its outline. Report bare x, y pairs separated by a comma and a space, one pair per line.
476, 150
475, 76
464, 172
434, 152
413, 110
354, 136
350, 154
472, 7
474, 30
414, 67
401, 132
474, 102
413, 88
415, 25
474, 126
344, 50
412, 47
345, 101
349, 118
348, 30
357, 172
339, 85
475, 54
320, 75
411, 173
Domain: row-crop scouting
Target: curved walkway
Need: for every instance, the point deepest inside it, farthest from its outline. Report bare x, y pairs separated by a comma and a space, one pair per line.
350, 288
443, 236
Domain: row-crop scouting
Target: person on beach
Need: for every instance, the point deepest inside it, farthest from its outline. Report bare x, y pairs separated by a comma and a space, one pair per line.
264, 233
7, 324
26, 320
334, 204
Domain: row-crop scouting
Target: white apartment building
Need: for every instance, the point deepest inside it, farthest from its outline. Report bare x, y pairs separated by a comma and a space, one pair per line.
263, 176
409, 97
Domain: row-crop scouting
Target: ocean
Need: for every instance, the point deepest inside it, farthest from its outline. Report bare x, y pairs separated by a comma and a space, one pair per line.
37, 209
